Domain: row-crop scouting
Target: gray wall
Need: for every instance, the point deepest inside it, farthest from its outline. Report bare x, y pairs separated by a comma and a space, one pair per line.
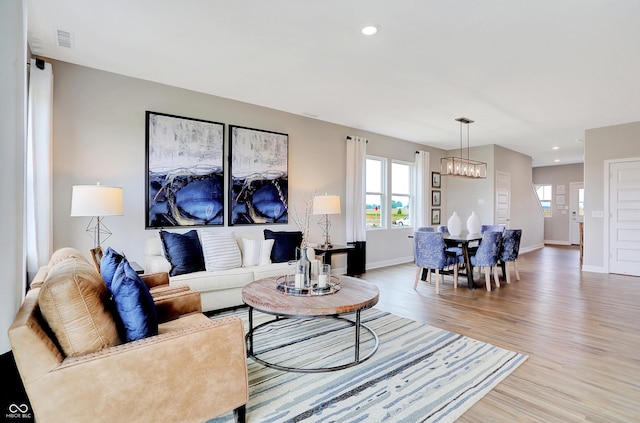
557, 227
464, 195
617, 142
99, 135
13, 64
525, 208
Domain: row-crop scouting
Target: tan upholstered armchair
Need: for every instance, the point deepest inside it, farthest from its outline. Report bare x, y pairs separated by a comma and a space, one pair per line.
79, 370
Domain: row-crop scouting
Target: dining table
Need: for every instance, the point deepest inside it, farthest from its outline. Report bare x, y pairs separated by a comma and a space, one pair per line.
462, 241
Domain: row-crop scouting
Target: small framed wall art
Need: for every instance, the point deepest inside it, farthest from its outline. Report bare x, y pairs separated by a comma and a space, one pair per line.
184, 171
435, 198
435, 216
259, 178
435, 180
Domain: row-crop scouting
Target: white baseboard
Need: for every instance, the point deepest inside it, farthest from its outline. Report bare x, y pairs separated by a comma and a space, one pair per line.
555, 242
594, 269
531, 248
385, 263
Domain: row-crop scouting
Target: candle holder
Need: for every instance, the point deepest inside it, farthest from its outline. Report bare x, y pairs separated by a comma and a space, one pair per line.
287, 285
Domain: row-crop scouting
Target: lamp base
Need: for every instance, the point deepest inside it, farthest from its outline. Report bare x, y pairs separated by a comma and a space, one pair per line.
326, 245
325, 224
97, 231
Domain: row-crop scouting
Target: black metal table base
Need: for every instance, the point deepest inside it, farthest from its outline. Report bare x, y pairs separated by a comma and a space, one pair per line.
357, 324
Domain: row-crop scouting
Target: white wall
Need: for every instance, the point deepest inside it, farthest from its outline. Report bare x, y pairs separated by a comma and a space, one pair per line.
557, 227
13, 64
608, 143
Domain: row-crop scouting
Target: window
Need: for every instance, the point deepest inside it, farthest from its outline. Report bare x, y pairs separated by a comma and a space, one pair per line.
375, 187
401, 183
544, 196
580, 201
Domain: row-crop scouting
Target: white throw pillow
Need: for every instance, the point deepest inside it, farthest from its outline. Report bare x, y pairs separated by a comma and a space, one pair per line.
220, 251
256, 252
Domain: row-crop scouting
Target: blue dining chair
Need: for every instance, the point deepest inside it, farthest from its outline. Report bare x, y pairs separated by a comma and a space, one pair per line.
486, 256
425, 229
483, 228
509, 252
445, 230
496, 228
430, 253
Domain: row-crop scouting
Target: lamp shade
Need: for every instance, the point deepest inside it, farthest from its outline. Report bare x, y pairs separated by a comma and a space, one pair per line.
326, 204
96, 200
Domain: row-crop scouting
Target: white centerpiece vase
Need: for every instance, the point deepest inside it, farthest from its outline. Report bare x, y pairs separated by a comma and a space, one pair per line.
473, 223
454, 224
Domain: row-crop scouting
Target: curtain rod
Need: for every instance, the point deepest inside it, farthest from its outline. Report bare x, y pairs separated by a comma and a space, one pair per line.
349, 138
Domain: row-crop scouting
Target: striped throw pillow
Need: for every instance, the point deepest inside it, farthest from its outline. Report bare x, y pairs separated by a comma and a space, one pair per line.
220, 251
256, 252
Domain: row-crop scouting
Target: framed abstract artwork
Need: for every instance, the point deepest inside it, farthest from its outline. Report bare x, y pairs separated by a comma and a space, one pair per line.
259, 179
184, 171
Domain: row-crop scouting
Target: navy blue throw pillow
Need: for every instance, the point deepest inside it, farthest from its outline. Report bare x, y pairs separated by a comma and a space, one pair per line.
108, 265
284, 245
134, 303
183, 251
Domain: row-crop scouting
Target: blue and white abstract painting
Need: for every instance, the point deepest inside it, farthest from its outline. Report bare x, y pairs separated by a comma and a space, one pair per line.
185, 172
259, 182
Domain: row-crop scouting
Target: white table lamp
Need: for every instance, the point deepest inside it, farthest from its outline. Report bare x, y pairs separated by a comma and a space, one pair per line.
326, 205
96, 201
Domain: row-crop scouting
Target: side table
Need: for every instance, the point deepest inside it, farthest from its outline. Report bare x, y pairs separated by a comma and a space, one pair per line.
135, 266
327, 253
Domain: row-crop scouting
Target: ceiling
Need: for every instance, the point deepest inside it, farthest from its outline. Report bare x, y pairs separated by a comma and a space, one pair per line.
532, 74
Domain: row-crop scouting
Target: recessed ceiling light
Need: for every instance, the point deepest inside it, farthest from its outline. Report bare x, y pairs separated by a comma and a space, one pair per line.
555, 148
556, 160
369, 30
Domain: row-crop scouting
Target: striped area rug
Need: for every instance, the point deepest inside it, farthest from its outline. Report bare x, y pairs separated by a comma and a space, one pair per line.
419, 373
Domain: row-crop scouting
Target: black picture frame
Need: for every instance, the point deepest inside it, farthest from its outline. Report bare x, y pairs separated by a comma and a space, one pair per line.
435, 180
184, 171
259, 176
435, 216
436, 198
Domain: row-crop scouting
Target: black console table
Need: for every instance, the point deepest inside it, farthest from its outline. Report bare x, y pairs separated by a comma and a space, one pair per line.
327, 253
355, 256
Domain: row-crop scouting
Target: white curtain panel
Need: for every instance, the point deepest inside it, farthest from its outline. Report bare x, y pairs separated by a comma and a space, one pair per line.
38, 167
356, 189
421, 215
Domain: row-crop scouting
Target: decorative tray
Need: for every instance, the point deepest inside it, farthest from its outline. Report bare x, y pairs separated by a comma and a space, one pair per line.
286, 285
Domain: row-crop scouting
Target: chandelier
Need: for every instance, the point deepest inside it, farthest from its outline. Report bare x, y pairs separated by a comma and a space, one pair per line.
460, 166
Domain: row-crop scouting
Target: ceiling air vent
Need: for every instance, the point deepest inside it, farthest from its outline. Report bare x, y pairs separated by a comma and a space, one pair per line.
64, 38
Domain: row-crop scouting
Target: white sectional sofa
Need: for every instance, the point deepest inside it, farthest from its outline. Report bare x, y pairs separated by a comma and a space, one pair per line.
219, 289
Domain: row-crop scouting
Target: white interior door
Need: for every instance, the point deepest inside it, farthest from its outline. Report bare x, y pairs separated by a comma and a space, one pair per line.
576, 203
624, 217
503, 198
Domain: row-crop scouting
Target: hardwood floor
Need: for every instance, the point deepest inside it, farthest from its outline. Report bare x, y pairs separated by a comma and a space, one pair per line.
580, 331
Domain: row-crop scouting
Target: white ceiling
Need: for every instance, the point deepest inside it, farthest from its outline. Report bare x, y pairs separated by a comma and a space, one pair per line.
533, 74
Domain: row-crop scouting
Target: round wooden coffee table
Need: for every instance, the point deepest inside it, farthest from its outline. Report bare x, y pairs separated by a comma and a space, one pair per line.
353, 297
